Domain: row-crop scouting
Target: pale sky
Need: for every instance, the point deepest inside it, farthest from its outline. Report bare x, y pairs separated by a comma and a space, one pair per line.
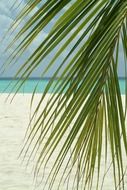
7, 15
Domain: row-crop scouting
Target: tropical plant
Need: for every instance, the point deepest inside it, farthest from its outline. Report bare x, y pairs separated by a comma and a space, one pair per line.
84, 113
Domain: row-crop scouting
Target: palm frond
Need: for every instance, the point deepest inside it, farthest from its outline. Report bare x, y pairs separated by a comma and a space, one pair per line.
85, 110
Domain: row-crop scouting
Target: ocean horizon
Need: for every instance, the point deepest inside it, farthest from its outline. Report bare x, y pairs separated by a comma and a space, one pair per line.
7, 85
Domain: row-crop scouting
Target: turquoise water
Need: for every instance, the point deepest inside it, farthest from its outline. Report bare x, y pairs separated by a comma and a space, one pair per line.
122, 86
6, 85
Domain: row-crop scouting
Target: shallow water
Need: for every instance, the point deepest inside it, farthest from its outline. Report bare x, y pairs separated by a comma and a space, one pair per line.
7, 85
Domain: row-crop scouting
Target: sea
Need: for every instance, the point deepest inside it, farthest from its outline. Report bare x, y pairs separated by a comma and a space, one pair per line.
7, 85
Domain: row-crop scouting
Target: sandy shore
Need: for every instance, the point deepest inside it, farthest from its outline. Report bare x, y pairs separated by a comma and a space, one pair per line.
14, 119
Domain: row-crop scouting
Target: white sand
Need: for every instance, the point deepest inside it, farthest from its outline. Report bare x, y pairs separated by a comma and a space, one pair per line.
14, 119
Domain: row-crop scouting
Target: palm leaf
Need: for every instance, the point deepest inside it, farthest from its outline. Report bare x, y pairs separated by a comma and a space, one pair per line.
85, 110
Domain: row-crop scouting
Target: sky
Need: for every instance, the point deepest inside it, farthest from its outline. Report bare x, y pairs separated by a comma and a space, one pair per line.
7, 16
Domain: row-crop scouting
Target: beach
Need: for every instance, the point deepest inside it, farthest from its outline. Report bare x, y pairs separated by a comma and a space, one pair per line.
14, 119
